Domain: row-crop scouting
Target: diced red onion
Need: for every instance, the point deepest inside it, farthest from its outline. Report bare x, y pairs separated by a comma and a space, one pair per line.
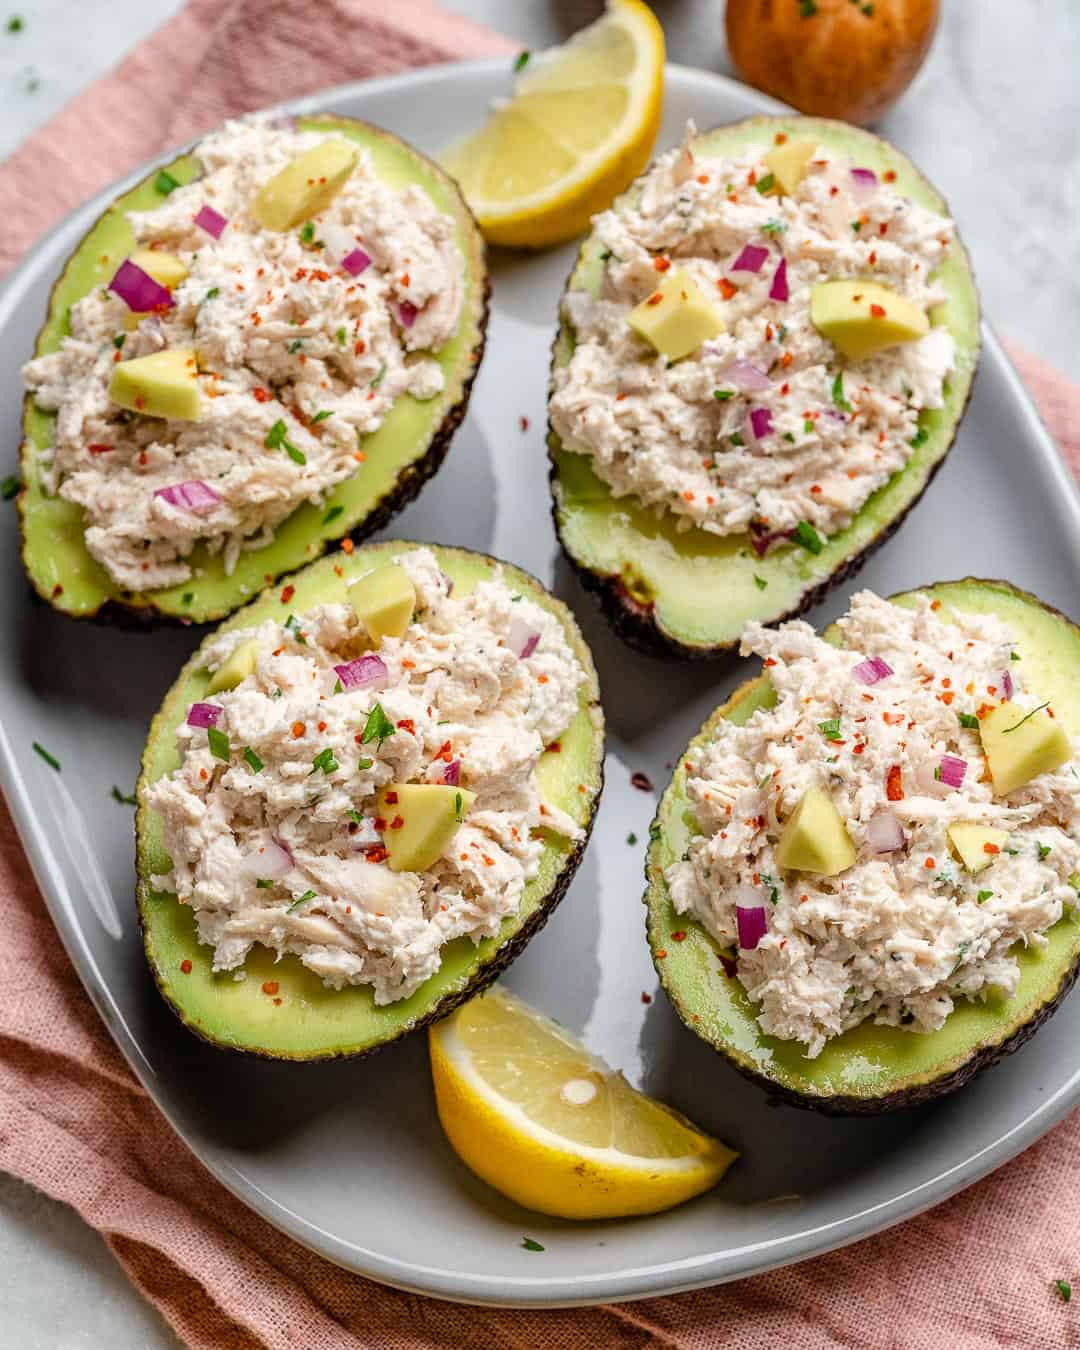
746, 378
750, 918
759, 423
138, 289
407, 313
204, 714
1007, 684
871, 670
452, 773
750, 259
213, 222
863, 183
779, 288
366, 672
951, 771
356, 262
191, 496
521, 639
275, 861
884, 833
760, 542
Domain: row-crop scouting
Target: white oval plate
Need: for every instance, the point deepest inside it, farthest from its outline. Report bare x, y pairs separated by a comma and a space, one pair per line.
349, 1158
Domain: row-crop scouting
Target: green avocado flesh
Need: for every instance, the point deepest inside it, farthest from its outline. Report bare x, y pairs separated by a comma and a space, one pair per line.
689, 592
312, 1021
54, 552
869, 1068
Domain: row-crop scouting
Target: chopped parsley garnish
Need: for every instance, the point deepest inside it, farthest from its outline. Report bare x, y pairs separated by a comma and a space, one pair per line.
856, 225
970, 721
457, 807
760, 583
1012, 852
631, 839
775, 227
364, 764
1016, 725
325, 761
766, 184
219, 743
307, 234
789, 437
15, 24
838, 394
292, 625
521, 60
654, 831
868, 10
355, 817
275, 437
51, 760
253, 759
774, 894
606, 255
212, 294
765, 781
1064, 1288
339, 688
341, 336
165, 182
378, 378
830, 729
377, 727
807, 9
10, 487
297, 456
736, 439
263, 884
1014, 656
295, 346
722, 395
323, 415
961, 952
332, 514
124, 798
920, 438
782, 332
531, 1245
188, 597
808, 426
1044, 850
983, 895
119, 340
308, 895
806, 535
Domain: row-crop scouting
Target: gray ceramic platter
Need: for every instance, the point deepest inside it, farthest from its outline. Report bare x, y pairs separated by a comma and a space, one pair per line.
349, 1158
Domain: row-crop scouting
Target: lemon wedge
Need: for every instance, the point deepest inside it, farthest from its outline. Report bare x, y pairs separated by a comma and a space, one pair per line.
578, 130
534, 1114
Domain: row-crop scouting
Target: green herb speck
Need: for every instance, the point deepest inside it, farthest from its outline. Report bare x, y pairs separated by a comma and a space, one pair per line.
124, 798
722, 395
806, 535
1044, 851
1064, 1288
1016, 725
219, 743
830, 729
631, 839
521, 61
531, 1245
322, 416
51, 760
332, 514
308, 895
253, 759
760, 583
325, 761
838, 394
766, 184
920, 438
307, 234
165, 182
10, 487
263, 884
970, 721
377, 727
15, 24
983, 895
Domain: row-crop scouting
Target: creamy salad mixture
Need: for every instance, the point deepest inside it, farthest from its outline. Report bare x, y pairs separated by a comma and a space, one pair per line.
899, 935
678, 436
280, 842
298, 359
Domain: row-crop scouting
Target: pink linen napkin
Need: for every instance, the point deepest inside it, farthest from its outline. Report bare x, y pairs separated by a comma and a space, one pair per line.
975, 1273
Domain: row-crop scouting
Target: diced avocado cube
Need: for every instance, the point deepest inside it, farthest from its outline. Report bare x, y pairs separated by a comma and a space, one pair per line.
676, 318
787, 163
421, 820
815, 838
1019, 747
305, 186
164, 384
384, 601
970, 844
237, 667
166, 268
860, 317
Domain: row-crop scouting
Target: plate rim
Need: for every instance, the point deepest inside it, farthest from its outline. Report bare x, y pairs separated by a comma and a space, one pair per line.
643, 1281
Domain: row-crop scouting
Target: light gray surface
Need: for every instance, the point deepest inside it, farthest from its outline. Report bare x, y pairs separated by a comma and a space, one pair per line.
1008, 163
425, 1223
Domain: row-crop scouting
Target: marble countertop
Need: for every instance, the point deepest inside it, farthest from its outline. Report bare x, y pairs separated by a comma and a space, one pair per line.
993, 119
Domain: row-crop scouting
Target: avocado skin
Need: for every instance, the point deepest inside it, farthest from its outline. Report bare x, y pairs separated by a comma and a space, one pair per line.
124, 611
845, 1104
490, 971
634, 621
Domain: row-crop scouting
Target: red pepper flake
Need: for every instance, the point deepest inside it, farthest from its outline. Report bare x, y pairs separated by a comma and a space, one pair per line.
893, 719
662, 264
661, 953
727, 290
703, 177
770, 661
392, 798
751, 178
872, 258
877, 311
377, 854
786, 361
185, 966
983, 710
889, 175
929, 864
680, 936
407, 724
654, 299
815, 488
380, 823
98, 448
523, 423
270, 987
298, 730
768, 332
833, 191
893, 787
277, 1003
360, 347
57, 590
991, 848
322, 726
646, 998
857, 749
347, 546
641, 781
935, 604
780, 138
287, 594
541, 679
397, 822
883, 229
405, 279
947, 697
555, 747
203, 775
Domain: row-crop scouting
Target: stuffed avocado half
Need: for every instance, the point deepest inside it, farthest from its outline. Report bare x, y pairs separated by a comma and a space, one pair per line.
744, 482
328, 394
373, 800
958, 937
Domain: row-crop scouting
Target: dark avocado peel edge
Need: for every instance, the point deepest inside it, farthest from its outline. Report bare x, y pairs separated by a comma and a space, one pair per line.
869, 1070
312, 1022
401, 455
649, 577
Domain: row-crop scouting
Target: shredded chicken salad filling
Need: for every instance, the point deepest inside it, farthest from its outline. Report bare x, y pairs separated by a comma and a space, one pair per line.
298, 359
900, 935
271, 819
766, 425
